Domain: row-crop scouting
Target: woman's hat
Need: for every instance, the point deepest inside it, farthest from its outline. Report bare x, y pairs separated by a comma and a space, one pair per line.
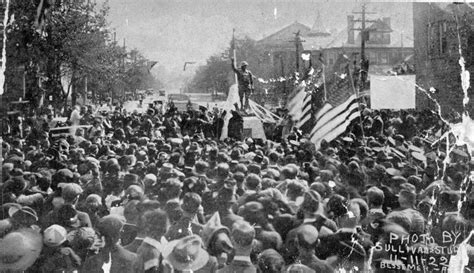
20, 249
186, 253
17, 210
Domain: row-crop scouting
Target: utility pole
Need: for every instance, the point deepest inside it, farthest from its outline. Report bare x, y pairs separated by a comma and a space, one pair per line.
364, 35
282, 65
297, 42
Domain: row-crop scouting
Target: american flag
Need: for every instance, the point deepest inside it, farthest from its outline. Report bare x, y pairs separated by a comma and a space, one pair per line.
336, 114
301, 103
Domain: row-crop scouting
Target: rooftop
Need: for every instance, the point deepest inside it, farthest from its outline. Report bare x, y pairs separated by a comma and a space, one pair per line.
285, 35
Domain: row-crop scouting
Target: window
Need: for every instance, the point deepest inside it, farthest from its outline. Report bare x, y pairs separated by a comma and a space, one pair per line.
379, 38
442, 38
432, 44
267, 57
470, 44
372, 57
383, 58
386, 38
437, 39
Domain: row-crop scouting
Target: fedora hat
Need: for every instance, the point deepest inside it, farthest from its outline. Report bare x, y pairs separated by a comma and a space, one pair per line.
186, 253
19, 250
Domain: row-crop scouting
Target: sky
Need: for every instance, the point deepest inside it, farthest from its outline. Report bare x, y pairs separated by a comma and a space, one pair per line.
172, 32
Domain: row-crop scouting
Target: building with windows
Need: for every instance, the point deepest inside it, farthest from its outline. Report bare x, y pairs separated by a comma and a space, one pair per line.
441, 31
385, 47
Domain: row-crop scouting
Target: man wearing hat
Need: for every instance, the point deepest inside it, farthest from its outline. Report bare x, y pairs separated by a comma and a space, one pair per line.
225, 201
20, 217
310, 208
270, 261
57, 255
243, 235
187, 224
235, 128
155, 224
113, 257
349, 243
70, 193
245, 79
372, 224
306, 240
188, 255
266, 236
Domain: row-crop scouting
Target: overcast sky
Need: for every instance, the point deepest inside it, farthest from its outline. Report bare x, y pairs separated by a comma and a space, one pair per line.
174, 31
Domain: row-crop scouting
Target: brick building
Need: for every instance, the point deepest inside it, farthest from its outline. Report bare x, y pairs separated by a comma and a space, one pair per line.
438, 29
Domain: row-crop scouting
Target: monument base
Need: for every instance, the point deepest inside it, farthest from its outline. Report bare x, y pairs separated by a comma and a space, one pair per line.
253, 127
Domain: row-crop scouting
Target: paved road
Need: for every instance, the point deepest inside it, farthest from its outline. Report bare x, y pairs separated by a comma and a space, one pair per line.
133, 105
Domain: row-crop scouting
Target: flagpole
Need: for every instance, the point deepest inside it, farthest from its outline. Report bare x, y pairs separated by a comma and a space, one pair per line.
357, 96
233, 53
321, 59
324, 83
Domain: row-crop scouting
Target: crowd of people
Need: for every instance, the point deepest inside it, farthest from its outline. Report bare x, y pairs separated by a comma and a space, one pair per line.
160, 192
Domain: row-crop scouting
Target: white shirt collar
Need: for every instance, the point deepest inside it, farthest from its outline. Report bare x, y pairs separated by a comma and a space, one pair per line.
242, 258
376, 210
352, 230
158, 245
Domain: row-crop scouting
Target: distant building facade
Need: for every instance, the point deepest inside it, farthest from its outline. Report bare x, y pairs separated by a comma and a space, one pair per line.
279, 50
385, 47
436, 29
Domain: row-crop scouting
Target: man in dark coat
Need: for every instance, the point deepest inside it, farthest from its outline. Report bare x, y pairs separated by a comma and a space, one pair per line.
307, 238
219, 124
113, 257
235, 129
243, 235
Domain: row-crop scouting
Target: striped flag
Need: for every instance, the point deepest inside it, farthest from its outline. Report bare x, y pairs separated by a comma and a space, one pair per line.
295, 101
300, 105
338, 111
306, 113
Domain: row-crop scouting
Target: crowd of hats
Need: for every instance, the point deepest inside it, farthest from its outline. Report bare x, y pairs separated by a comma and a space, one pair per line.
129, 200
